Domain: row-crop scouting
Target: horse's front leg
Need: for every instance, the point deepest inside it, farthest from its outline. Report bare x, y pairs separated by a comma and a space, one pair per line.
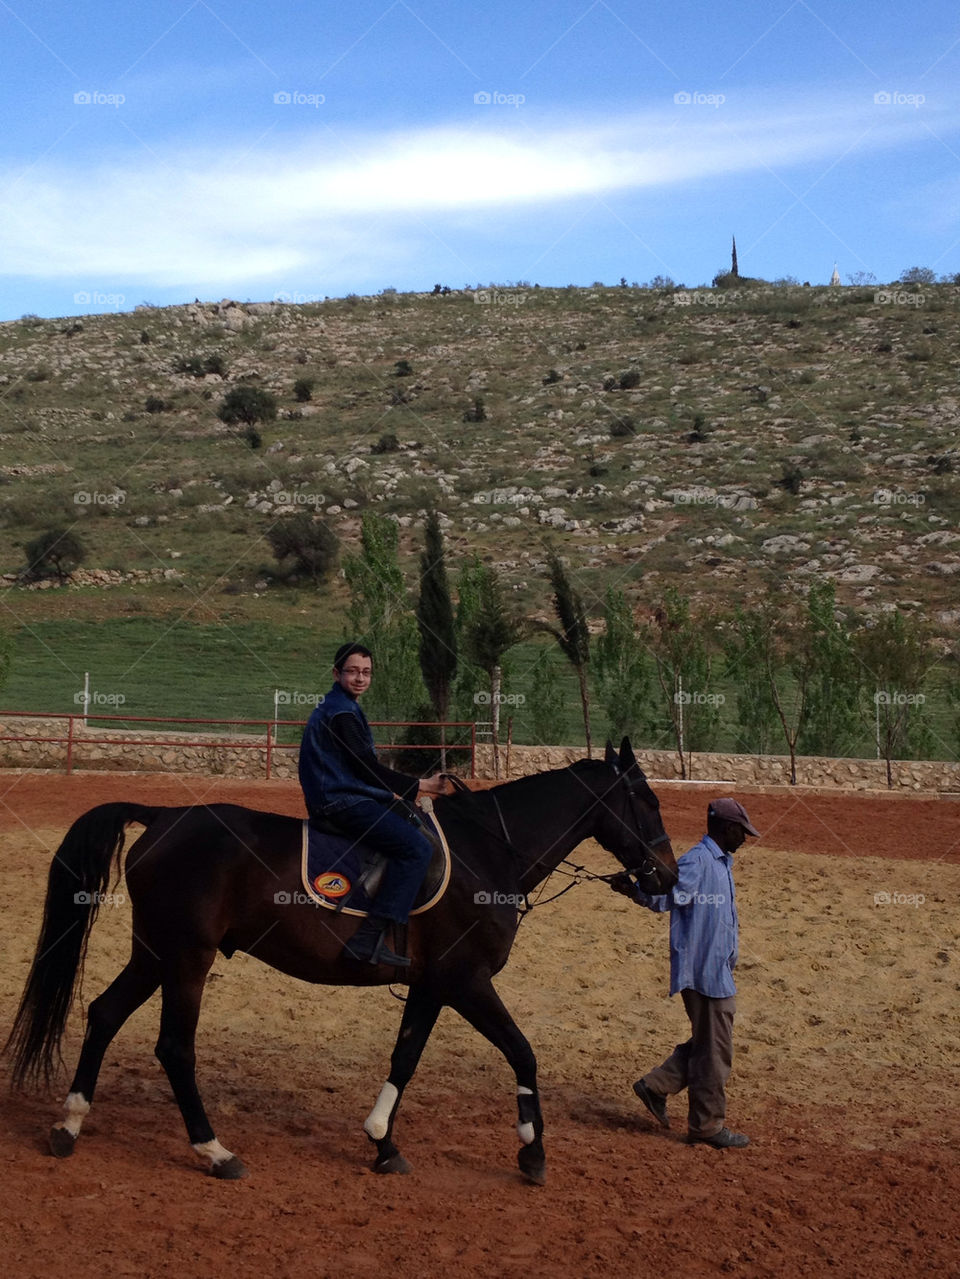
482, 1007
419, 1018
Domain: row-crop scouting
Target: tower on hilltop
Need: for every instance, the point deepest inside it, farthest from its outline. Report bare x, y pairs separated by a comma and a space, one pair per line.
733, 259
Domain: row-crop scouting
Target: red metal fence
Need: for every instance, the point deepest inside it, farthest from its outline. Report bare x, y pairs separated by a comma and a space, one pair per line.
71, 739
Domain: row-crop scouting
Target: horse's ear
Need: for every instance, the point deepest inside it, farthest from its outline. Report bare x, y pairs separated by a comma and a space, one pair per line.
610, 755
627, 757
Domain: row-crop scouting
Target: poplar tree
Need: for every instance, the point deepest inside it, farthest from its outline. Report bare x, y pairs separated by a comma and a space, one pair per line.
436, 624
573, 634
381, 617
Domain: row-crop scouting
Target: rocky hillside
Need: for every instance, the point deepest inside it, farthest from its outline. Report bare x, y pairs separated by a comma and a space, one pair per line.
719, 440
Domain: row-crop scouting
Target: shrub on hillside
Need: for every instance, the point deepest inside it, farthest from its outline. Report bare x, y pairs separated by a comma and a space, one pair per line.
304, 546
55, 553
478, 413
201, 365
303, 389
247, 404
621, 426
386, 444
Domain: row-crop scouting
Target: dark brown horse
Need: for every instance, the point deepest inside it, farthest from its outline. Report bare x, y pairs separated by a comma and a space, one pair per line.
223, 878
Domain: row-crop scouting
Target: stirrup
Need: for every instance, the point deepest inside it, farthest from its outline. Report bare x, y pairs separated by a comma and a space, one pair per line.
379, 953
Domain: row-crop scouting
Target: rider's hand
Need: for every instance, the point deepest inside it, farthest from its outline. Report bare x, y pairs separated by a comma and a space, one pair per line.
623, 883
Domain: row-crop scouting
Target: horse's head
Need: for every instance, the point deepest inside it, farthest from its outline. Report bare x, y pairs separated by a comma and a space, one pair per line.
629, 824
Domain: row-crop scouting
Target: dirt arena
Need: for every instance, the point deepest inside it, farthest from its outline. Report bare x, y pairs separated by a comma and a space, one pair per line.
845, 1077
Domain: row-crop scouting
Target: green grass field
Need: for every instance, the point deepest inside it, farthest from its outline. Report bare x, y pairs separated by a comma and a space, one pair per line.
168, 666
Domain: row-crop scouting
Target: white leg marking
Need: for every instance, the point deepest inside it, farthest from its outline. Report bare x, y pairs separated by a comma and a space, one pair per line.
377, 1122
213, 1151
525, 1131
77, 1108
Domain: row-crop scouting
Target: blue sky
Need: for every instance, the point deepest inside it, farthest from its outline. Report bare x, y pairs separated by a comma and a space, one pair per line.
178, 148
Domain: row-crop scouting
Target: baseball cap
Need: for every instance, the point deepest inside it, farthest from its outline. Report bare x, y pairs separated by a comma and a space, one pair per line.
730, 811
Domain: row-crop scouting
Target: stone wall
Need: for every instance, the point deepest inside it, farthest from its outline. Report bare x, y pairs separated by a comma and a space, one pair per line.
93, 749
746, 770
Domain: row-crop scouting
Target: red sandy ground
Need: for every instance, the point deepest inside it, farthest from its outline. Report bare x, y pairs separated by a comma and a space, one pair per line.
622, 1198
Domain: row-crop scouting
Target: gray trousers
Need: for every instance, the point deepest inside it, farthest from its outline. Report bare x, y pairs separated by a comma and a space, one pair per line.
702, 1064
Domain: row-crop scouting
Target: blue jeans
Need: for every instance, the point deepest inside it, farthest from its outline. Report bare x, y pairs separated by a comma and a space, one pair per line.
407, 849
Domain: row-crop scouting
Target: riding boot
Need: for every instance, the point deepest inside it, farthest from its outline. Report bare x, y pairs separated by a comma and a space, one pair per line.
369, 944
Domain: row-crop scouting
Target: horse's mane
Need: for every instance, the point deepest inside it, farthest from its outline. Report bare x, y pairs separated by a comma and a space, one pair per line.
463, 801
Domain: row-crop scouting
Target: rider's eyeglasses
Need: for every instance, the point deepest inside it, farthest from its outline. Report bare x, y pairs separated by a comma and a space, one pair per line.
365, 672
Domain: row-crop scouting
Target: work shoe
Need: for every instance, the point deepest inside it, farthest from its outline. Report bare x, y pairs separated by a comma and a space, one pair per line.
722, 1140
654, 1102
368, 945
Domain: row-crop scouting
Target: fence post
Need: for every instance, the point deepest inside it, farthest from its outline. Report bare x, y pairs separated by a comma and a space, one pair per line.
473, 748
269, 748
69, 745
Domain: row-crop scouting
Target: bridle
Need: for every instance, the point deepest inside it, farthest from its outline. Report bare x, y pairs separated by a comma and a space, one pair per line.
576, 873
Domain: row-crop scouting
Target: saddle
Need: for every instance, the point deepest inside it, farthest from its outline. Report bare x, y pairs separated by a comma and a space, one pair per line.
343, 874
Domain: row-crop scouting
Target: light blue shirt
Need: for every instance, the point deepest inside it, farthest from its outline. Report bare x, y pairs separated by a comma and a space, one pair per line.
703, 921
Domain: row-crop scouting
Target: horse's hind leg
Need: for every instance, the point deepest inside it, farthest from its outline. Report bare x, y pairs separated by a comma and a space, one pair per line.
182, 992
419, 1018
133, 987
482, 1007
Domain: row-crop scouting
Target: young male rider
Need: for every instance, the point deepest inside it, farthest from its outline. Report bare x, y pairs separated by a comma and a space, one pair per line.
345, 784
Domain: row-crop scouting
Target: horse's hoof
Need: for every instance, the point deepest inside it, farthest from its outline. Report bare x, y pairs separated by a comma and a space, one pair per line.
395, 1163
535, 1170
62, 1141
231, 1169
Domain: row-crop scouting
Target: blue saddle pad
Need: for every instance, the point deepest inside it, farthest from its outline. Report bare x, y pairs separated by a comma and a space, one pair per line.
342, 873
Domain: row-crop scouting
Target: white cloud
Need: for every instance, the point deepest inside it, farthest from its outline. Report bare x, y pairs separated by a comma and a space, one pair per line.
321, 200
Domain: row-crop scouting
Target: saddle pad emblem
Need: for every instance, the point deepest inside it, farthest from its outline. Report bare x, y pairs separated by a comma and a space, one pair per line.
331, 884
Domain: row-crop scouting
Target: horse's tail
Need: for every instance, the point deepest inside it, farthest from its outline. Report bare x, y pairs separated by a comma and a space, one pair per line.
78, 879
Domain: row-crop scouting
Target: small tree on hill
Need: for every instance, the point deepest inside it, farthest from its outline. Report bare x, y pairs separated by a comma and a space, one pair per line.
307, 546
55, 553
247, 404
